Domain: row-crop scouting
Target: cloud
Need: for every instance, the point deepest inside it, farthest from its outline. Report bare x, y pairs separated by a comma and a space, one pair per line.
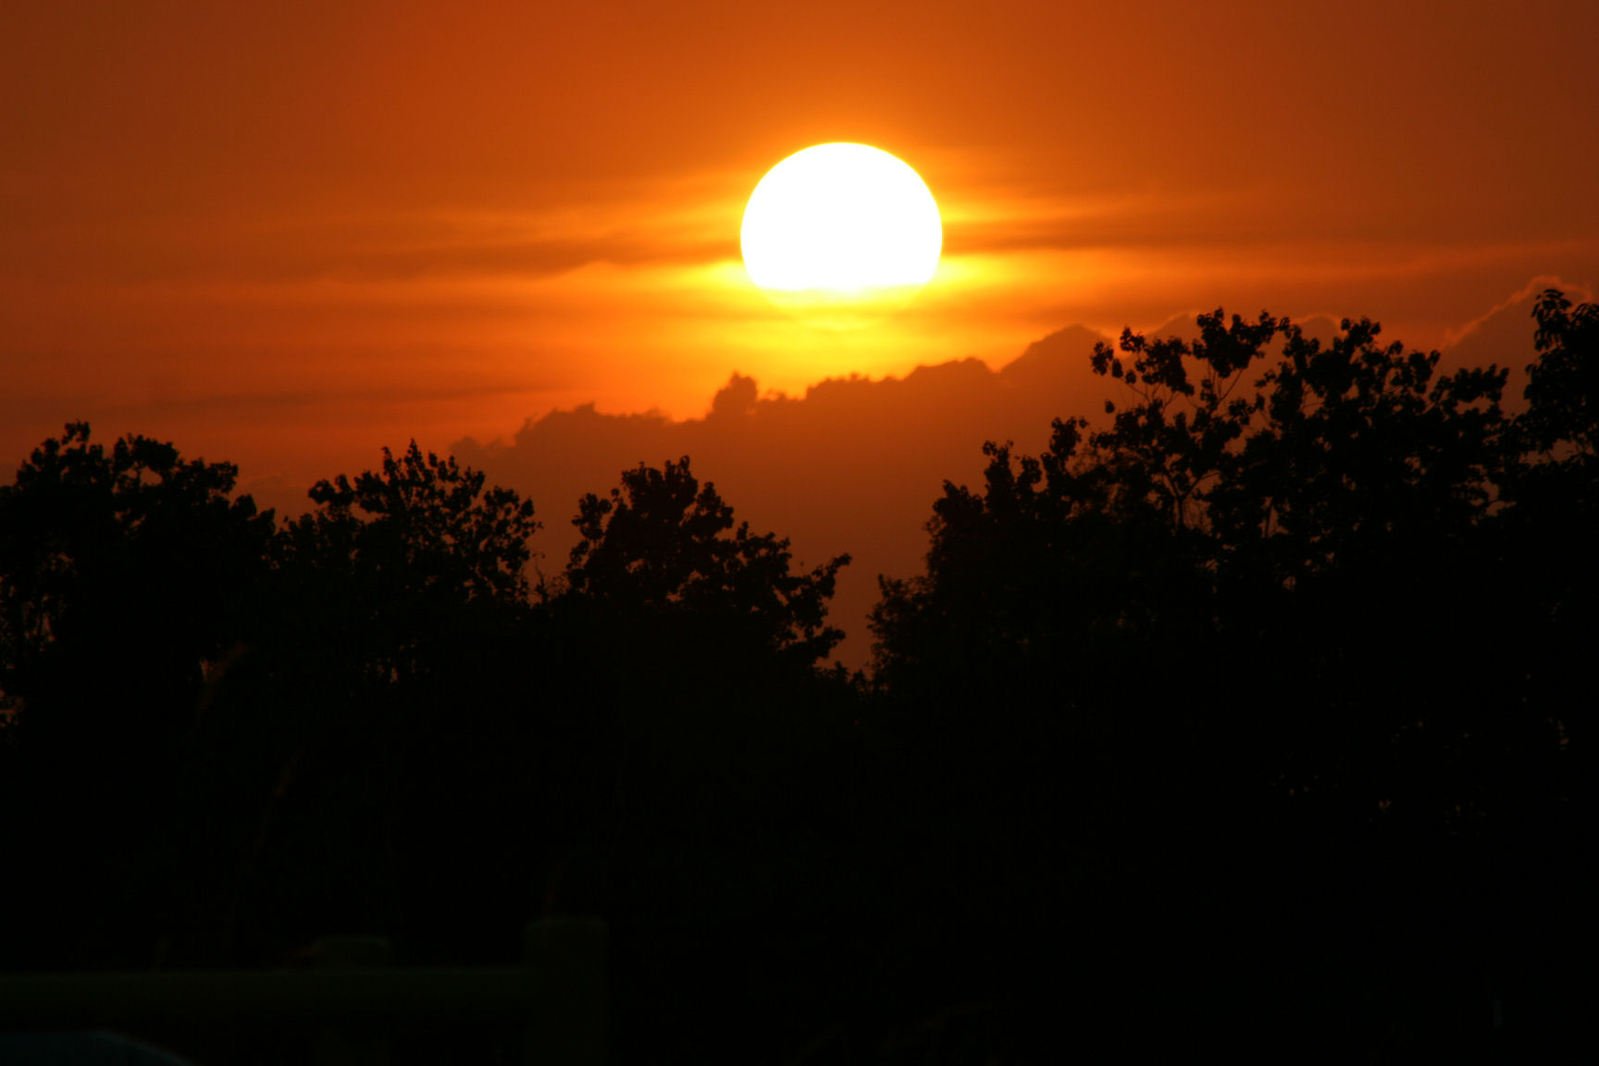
852, 465
395, 246
1504, 334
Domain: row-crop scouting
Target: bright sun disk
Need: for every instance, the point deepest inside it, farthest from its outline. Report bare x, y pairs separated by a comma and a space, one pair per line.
841, 219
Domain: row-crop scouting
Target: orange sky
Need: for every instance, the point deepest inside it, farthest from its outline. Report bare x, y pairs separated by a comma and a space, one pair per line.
286, 233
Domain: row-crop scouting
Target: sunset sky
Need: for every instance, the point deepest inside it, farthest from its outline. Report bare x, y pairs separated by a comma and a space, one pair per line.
286, 234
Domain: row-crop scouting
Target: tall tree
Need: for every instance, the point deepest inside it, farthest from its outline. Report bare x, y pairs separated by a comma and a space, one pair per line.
380, 730
1189, 524
121, 567
1304, 612
387, 551
127, 575
663, 543
1553, 521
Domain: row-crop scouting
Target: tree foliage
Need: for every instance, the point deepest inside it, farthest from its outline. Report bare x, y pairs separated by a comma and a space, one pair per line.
1261, 681
128, 567
662, 543
126, 576
421, 524
1330, 510
1294, 613
399, 569
1563, 385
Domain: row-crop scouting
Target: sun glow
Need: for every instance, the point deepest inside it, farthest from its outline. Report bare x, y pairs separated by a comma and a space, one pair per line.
841, 221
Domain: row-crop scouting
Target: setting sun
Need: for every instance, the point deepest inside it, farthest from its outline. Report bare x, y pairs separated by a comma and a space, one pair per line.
637, 533
841, 219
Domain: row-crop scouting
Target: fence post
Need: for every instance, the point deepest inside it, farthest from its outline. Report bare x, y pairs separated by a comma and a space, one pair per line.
567, 1023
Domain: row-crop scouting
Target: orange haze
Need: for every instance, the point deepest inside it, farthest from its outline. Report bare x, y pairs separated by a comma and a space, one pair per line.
289, 233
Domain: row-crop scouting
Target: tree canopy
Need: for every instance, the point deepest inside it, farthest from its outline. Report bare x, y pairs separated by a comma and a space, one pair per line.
1259, 480
662, 542
1266, 679
120, 569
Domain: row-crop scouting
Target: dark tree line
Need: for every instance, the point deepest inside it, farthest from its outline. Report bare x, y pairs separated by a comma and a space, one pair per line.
1294, 646
1257, 713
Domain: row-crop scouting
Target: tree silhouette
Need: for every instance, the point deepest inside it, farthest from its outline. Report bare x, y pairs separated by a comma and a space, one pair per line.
1563, 390
421, 526
396, 560
382, 691
1208, 512
660, 542
126, 576
1250, 705
133, 555
1241, 615
684, 648
1553, 491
